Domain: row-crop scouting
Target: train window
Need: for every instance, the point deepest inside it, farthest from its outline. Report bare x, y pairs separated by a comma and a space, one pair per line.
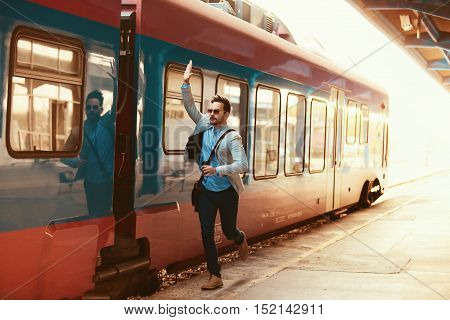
364, 125
40, 57
267, 133
352, 112
317, 136
237, 92
177, 124
45, 100
295, 134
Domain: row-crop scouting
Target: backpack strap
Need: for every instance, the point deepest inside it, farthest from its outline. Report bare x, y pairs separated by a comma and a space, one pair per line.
213, 151
97, 156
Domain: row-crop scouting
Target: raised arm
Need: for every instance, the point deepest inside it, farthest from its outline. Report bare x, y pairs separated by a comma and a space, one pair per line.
188, 99
115, 79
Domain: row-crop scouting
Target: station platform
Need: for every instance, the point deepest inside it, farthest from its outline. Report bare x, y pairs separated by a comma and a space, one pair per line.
397, 249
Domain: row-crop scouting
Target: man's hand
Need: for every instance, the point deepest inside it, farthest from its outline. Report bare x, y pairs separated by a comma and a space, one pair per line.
188, 72
208, 170
113, 73
80, 163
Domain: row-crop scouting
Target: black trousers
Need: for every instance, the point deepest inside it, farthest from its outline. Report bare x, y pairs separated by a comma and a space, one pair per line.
99, 198
227, 202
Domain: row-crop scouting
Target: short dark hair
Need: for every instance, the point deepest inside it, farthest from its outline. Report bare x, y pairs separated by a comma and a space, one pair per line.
96, 94
222, 99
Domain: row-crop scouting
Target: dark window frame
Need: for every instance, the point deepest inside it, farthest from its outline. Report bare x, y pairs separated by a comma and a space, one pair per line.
356, 122
361, 123
53, 39
181, 67
310, 135
254, 131
242, 81
304, 135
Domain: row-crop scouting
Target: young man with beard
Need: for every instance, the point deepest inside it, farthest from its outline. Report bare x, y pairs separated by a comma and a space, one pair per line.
96, 161
222, 183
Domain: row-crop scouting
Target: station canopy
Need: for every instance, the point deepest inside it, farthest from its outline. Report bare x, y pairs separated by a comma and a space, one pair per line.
421, 27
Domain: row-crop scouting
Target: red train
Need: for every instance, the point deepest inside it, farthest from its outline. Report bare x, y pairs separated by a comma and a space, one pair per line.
315, 135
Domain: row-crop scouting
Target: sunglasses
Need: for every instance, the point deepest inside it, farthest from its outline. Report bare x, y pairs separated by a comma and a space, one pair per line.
92, 107
214, 111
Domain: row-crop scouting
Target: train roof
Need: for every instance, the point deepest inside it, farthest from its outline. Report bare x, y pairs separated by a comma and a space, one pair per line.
224, 36
227, 37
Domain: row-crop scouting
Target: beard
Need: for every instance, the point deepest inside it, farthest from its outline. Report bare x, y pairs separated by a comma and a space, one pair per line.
93, 116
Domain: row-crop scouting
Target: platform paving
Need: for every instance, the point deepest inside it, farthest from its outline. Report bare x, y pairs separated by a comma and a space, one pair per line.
397, 249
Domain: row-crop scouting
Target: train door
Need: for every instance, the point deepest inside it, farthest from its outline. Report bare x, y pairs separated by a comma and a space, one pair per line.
331, 148
338, 102
125, 148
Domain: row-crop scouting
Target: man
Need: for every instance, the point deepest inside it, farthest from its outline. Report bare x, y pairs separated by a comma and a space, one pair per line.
222, 183
96, 161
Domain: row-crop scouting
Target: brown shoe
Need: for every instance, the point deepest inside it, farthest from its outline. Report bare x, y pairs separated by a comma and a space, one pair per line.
243, 250
213, 283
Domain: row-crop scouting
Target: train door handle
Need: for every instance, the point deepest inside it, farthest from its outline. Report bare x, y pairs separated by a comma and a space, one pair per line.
122, 162
124, 146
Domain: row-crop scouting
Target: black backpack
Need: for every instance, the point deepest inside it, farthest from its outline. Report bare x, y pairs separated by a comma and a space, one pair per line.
194, 147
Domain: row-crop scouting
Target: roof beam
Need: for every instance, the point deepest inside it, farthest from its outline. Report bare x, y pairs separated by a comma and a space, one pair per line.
436, 8
438, 65
430, 27
446, 81
435, 34
446, 56
425, 41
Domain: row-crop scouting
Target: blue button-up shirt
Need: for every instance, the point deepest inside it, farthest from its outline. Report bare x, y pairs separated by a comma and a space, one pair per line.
101, 135
215, 182
103, 140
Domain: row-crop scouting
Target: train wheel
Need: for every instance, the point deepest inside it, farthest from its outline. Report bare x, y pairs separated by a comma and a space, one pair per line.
138, 284
143, 283
365, 200
375, 192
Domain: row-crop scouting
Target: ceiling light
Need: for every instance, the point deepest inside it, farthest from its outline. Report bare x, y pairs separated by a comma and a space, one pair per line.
406, 23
